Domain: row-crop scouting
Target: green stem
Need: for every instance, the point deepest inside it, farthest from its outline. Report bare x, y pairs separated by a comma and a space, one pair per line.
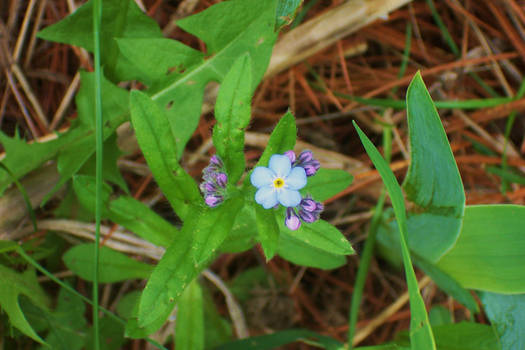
97, 15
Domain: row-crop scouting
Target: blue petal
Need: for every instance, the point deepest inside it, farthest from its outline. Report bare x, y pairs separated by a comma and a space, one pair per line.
261, 176
280, 165
266, 196
289, 198
296, 179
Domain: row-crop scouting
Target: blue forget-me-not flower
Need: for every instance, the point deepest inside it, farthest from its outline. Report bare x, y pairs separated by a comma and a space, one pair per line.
280, 182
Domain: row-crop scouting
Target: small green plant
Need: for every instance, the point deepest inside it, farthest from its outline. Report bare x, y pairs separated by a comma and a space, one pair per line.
276, 204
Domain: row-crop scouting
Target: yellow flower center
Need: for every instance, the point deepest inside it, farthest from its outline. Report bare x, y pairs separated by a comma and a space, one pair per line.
278, 183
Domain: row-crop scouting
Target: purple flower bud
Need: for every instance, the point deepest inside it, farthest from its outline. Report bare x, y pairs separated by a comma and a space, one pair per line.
216, 161
308, 204
311, 168
292, 220
209, 187
291, 155
305, 156
319, 207
213, 200
307, 216
221, 179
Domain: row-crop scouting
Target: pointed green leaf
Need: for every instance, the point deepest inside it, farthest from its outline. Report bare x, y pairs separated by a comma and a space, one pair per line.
115, 266
159, 148
433, 182
420, 332
200, 237
189, 329
13, 285
282, 139
232, 111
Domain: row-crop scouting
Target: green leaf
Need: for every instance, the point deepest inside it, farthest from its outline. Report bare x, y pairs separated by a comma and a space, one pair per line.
490, 252
120, 19
140, 219
7, 246
326, 183
158, 144
507, 315
200, 237
13, 285
189, 329
301, 253
282, 139
125, 211
319, 234
115, 266
21, 157
420, 332
433, 182
243, 233
239, 27
286, 11
127, 303
466, 336
277, 339
232, 111
149, 66
66, 324
267, 231
81, 138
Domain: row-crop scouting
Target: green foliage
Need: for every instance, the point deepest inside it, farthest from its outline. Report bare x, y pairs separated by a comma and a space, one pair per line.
326, 183
490, 250
66, 325
420, 332
267, 231
321, 235
15, 284
159, 147
301, 253
120, 19
126, 211
189, 330
232, 112
282, 139
286, 11
22, 157
111, 335
201, 235
277, 339
507, 315
115, 266
433, 182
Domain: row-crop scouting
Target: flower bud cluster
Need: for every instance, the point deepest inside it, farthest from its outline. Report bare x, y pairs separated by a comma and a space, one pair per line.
305, 160
214, 182
308, 210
